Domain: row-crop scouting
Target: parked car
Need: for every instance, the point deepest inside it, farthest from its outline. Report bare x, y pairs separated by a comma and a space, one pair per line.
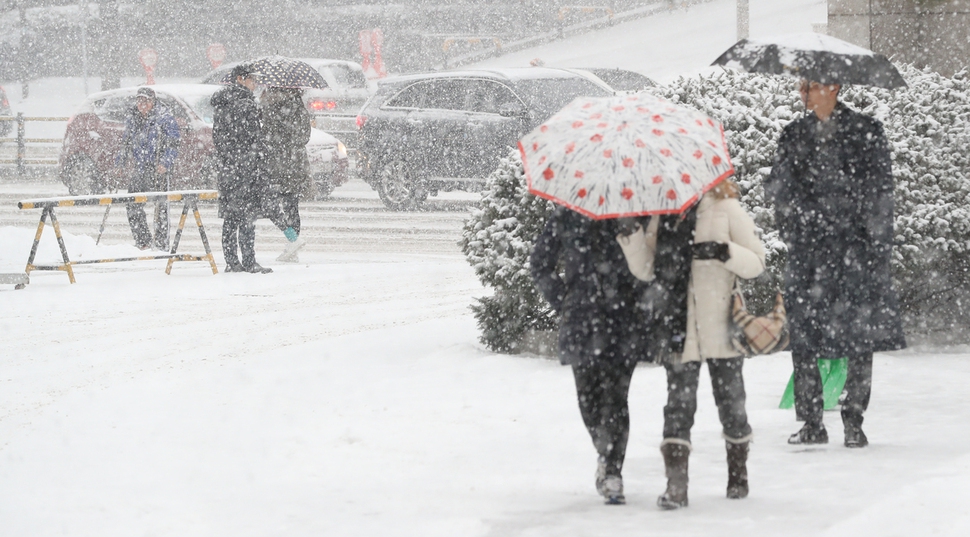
422, 134
5, 126
347, 86
93, 140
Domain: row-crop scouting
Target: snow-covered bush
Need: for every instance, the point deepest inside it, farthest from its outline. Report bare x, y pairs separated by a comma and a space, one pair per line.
497, 240
928, 126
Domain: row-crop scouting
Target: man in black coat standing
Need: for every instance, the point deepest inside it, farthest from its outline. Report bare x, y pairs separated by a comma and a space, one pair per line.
832, 188
599, 331
238, 140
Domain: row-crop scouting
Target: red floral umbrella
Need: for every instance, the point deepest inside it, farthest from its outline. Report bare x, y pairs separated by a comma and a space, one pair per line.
629, 155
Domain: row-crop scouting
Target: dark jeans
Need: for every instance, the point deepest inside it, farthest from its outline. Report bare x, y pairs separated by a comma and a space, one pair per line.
146, 181
809, 401
288, 214
239, 224
728, 384
602, 387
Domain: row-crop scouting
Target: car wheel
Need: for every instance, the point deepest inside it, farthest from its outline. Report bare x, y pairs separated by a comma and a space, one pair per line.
397, 187
82, 178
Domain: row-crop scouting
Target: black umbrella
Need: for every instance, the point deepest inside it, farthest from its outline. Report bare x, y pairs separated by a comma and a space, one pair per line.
815, 57
281, 72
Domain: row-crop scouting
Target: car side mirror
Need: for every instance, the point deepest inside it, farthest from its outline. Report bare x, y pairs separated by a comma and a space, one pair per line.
513, 110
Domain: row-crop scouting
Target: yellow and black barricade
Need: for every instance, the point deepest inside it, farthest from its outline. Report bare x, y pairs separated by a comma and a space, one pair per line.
190, 202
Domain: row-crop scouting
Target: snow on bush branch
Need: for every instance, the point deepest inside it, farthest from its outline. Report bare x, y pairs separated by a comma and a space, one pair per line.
928, 125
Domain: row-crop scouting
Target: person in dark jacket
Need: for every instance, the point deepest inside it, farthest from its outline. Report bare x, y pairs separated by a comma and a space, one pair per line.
150, 142
286, 131
600, 330
832, 187
238, 141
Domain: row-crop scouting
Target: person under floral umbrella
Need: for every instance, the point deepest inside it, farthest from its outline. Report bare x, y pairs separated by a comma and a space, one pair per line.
610, 163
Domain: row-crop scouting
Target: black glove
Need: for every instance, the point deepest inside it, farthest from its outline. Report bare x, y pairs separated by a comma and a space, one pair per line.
712, 250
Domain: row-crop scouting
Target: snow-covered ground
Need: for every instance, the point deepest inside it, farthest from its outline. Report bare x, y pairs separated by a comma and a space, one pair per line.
348, 396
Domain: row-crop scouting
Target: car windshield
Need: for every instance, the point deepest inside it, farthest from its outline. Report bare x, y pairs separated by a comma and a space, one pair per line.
546, 96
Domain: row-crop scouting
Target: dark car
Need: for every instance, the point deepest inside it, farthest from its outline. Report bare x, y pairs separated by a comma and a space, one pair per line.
5, 111
422, 134
93, 140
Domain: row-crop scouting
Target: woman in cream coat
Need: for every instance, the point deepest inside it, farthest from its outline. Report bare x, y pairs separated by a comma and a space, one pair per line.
726, 247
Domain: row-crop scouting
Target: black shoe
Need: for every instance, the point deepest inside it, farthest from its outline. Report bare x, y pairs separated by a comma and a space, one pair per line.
810, 434
257, 269
855, 438
235, 267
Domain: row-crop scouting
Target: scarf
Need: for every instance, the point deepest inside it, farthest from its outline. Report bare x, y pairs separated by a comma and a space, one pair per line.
665, 300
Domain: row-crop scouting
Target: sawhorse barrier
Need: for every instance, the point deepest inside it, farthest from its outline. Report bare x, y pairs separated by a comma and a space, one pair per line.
189, 198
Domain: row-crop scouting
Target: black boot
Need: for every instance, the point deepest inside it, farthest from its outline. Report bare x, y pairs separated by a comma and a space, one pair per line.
854, 437
737, 459
675, 461
810, 433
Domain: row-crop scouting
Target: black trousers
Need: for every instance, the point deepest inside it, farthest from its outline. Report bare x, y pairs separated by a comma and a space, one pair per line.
239, 232
288, 213
602, 387
145, 180
728, 384
809, 401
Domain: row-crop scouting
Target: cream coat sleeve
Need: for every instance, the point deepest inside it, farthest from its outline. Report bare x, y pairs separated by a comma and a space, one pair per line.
747, 252
639, 249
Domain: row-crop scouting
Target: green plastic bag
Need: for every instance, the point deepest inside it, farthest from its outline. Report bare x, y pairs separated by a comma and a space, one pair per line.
833, 380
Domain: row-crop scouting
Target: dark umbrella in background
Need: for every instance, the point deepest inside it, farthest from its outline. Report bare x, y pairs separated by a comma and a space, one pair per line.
282, 72
815, 57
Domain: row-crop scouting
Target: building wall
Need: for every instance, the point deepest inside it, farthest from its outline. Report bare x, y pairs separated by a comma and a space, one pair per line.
933, 33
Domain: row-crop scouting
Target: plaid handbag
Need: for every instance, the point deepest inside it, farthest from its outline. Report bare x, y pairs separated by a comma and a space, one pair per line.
753, 335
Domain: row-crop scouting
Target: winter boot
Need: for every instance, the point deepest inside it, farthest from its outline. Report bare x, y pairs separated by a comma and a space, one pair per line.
810, 434
737, 459
676, 453
609, 486
854, 437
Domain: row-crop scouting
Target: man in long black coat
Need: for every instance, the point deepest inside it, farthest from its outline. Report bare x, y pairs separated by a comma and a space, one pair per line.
832, 188
238, 142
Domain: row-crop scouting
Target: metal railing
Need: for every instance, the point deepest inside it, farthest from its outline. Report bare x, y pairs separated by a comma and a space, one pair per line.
21, 160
